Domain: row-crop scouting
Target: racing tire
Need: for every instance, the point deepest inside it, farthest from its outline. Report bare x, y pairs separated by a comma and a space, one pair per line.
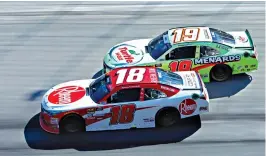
220, 73
167, 118
72, 124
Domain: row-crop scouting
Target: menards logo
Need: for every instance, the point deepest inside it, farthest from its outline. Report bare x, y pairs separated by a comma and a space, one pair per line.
126, 54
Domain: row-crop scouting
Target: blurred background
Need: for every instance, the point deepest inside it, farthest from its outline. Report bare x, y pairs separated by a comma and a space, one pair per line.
46, 43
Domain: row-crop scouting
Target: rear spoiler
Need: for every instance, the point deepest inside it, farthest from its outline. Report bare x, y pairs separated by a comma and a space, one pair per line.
249, 38
250, 42
200, 87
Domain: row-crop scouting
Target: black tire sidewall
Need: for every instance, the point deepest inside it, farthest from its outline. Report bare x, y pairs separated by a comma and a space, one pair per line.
79, 124
227, 73
159, 119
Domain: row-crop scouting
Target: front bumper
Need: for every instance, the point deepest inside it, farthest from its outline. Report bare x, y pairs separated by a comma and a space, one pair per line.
44, 120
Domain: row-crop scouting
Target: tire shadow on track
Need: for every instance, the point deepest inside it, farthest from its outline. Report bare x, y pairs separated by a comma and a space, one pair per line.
229, 87
37, 138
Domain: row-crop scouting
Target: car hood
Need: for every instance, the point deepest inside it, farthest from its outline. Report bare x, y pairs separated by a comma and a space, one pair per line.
68, 96
128, 53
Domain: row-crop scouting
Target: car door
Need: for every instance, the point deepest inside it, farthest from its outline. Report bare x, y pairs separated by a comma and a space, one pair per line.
154, 99
123, 105
181, 58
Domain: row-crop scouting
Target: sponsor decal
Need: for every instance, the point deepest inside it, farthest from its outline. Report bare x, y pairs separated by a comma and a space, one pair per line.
253, 65
189, 80
222, 47
248, 70
127, 53
99, 115
53, 121
187, 107
203, 108
206, 34
91, 118
217, 59
167, 88
152, 70
149, 119
66, 95
91, 110
246, 66
126, 87
242, 70
242, 39
153, 78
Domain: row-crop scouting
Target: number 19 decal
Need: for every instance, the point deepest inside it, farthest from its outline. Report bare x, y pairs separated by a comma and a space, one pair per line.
122, 114
184, 65
186, 34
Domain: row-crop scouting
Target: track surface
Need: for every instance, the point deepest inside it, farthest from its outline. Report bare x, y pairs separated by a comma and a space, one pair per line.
42, 44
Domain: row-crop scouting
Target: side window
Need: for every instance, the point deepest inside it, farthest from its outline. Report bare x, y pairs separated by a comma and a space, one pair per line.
206, 51
125, 95
182, 53
151, 94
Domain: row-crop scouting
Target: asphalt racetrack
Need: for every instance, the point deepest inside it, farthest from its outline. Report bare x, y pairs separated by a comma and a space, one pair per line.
45, 43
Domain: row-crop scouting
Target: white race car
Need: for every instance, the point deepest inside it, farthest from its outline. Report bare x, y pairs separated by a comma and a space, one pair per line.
124, 98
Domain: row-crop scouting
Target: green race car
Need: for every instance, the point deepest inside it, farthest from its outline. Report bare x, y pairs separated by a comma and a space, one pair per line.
215, 54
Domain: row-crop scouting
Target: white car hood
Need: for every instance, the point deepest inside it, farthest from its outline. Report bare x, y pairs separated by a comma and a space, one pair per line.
68, 96
128, 53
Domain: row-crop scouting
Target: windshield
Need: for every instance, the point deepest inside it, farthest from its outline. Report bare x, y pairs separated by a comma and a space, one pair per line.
221, 37
169, 78
98, 89
159, 45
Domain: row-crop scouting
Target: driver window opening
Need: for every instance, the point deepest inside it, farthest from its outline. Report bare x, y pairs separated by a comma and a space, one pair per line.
206, 51
125, 95
151, 94
181, 53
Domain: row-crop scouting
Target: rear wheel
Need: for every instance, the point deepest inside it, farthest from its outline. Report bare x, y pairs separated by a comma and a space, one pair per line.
221, 73
72, 124
167, 117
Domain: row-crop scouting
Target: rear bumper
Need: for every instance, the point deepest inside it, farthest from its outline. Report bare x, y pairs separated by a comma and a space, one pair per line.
46, 126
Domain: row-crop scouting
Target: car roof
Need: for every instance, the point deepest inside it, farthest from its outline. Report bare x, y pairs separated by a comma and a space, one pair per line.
202, 34
147, 74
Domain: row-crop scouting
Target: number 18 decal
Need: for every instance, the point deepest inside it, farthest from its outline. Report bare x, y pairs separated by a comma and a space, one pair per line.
134, 75
184, 65
122, 114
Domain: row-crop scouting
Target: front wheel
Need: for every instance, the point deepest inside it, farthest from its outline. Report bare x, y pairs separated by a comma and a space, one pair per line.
72, 124
221, 73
